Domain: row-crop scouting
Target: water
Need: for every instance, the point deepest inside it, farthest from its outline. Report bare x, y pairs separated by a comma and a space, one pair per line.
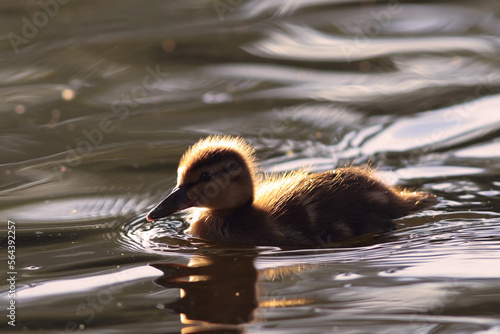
100, 99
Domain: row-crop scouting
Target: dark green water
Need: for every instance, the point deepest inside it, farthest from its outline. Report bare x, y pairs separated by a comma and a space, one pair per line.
99, 99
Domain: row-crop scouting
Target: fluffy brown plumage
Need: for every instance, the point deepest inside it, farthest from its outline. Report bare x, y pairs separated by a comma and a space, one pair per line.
297, 208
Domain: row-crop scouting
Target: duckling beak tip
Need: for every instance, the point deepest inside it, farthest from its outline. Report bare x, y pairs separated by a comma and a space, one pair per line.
176, 201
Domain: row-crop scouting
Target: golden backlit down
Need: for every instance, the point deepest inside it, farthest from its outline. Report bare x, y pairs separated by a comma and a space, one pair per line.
219, 173
275, 303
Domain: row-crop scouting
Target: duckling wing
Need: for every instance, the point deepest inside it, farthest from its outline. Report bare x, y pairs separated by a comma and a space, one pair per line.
335, 205
284, 200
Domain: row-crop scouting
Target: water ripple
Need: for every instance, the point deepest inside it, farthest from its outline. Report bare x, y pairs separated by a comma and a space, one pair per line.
295, 42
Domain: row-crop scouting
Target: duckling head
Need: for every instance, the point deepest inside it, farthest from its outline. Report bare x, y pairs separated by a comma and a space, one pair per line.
216, 173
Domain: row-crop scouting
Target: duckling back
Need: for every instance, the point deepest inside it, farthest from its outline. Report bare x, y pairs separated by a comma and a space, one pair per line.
316, 208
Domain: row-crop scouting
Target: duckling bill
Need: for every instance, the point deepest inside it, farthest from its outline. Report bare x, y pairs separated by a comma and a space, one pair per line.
219, 174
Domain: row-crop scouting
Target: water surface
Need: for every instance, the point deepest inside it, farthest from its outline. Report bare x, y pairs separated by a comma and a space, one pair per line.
98, 101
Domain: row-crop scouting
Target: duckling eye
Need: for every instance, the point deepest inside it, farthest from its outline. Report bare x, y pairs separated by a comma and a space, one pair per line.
206, 177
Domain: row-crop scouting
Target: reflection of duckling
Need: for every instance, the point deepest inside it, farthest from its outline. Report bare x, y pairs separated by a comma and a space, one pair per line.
214, 299
210, 293
298, 208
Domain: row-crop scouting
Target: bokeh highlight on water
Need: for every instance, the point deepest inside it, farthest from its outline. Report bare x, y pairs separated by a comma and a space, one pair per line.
98, 101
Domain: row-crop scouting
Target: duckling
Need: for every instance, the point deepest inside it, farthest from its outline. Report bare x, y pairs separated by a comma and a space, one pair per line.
219, 174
